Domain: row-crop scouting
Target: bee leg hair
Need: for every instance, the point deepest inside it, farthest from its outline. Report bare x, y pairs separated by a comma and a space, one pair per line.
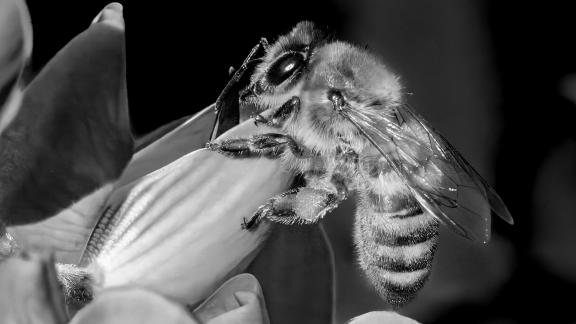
303, 205
289, 108
280, 115
269, 145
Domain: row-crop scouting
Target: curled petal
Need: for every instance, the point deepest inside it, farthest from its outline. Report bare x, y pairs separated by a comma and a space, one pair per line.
15, 51
238, 300
249, 311
132, 306
177, 231
65, 234
382, 317
111, 15
169, 143
30, 293
72, 133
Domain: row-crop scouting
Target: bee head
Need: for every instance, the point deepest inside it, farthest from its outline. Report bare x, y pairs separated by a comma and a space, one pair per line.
283, 67
304, 64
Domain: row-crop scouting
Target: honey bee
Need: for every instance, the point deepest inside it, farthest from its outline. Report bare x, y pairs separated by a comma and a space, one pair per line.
343, 124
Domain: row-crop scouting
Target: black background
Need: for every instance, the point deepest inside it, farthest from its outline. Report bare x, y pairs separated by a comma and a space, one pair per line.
492, 75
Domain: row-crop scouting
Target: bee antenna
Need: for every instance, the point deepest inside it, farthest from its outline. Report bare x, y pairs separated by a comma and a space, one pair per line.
256, 60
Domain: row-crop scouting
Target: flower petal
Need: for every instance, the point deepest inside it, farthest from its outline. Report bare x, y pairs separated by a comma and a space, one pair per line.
177, 230
248, 311
72, 134
30, 292
65, 234
111, 15
242, 291
382, 317
15, 51
132, 306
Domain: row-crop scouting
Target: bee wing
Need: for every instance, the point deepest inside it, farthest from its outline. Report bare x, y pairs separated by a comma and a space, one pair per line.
442, 181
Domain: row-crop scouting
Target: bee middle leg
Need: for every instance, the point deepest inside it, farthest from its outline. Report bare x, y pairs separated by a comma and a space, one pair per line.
281, 114
302, 205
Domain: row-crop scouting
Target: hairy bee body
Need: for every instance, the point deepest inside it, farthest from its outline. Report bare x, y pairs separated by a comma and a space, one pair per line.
342, 123
395, 239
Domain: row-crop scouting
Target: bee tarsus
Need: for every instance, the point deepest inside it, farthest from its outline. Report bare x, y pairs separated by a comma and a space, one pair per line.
248, 224
259, 119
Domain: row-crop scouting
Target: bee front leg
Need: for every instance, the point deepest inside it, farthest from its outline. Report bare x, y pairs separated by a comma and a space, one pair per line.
269, 145
298, 206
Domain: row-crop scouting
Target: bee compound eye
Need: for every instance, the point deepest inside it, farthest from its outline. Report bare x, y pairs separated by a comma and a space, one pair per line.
284, 67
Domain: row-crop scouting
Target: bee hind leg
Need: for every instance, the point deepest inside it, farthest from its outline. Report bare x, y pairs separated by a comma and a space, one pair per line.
298, 206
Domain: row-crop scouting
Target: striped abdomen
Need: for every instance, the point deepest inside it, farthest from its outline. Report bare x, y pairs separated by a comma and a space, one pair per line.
394, 238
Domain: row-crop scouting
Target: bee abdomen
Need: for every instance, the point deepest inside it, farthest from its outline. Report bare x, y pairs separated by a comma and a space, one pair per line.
399, 265
396, 242
392, 238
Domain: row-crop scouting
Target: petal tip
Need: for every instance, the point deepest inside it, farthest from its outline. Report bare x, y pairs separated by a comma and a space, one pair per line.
111, 15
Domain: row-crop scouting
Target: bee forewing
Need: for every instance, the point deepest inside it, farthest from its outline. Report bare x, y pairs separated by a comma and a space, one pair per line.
463, 169
471, 218
443, 182
499, 207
